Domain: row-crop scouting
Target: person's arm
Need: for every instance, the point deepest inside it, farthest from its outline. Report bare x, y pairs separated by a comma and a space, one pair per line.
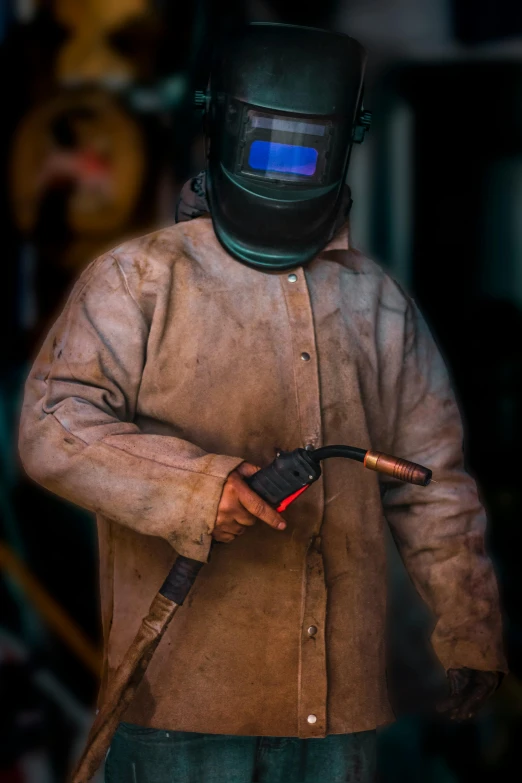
439, 529
77, 436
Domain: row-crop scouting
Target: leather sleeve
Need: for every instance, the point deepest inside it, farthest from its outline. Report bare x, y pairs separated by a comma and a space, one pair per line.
440, 529
77, 434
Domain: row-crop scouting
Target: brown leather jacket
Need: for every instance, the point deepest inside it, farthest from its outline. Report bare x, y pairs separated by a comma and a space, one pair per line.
172, 363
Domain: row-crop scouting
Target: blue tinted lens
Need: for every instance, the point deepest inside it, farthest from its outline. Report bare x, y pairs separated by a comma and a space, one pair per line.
286, 158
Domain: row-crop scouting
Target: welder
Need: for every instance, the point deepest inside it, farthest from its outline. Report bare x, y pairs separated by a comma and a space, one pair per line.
186, 359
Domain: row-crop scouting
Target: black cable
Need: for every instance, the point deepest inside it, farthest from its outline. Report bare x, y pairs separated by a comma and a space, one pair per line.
349, 452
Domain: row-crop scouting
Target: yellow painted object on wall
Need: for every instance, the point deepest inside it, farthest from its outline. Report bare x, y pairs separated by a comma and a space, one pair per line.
87, 54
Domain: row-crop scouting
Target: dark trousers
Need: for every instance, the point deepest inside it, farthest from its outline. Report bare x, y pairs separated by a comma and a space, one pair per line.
141, 755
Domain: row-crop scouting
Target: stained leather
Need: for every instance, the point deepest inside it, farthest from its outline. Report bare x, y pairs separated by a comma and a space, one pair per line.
171, 364
123, 686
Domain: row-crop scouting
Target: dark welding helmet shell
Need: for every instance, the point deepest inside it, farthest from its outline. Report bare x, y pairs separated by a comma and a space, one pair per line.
283, 105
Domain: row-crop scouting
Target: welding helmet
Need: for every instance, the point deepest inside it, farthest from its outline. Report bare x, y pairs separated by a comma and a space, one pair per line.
283, 108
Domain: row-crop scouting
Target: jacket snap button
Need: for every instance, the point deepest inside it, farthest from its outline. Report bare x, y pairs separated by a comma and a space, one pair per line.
292, 278
305, 356
312, 719
312, 630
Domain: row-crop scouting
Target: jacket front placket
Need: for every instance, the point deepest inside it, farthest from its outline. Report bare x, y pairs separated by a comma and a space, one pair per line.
312, 677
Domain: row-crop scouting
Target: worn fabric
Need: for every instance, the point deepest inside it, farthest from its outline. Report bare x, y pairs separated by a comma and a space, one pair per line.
171, 364
141, 755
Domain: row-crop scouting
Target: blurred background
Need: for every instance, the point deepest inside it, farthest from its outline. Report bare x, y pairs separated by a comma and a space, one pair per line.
98, 135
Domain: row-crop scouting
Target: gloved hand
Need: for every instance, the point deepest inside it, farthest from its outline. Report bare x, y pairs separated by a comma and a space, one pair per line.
469, 689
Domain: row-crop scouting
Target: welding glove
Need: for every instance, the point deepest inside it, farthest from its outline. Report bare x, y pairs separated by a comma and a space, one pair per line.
469, 689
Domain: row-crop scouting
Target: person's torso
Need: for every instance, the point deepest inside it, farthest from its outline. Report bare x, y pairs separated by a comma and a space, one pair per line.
243, 362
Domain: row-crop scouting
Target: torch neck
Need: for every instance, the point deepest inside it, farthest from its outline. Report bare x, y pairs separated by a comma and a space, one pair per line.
348, 452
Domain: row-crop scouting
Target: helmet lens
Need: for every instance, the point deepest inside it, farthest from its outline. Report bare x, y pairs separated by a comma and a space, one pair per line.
285, 148
267, 156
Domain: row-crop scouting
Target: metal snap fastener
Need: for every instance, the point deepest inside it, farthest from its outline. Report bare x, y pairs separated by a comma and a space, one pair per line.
305, 356
309, 447
292, 278
312, 719
312, 630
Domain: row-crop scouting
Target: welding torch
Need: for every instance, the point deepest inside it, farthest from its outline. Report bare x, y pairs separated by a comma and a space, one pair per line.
283, 480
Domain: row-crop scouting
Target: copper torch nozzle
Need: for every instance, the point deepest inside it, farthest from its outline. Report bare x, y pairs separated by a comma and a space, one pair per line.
398, 468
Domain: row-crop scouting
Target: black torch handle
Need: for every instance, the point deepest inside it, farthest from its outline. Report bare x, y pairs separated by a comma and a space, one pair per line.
285, 478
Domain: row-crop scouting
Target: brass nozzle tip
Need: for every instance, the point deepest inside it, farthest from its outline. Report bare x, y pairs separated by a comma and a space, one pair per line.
399, 468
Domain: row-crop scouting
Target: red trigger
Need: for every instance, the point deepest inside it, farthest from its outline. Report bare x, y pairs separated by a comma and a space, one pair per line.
290, 499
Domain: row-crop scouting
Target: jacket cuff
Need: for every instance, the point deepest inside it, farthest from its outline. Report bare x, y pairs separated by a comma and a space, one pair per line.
194, 539
462, 654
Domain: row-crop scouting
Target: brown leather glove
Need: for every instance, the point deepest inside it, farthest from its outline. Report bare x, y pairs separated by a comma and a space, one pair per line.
469, 689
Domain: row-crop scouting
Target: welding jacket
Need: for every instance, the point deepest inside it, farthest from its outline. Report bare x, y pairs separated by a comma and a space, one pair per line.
170, 364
